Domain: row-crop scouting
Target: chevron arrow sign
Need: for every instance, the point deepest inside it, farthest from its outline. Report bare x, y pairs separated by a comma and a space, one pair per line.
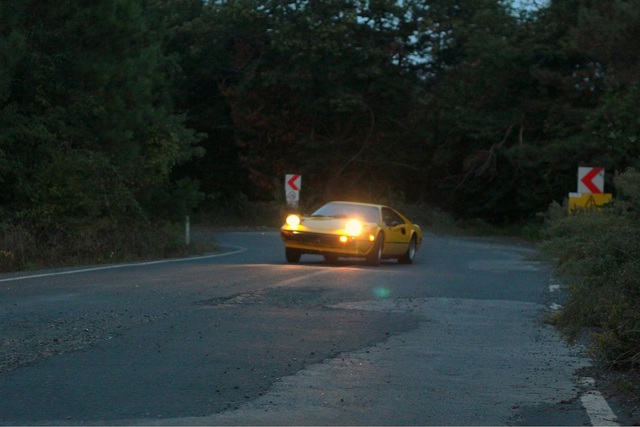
590, 180
292, 184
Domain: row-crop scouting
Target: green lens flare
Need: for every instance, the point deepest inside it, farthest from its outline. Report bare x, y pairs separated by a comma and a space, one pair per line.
381, 292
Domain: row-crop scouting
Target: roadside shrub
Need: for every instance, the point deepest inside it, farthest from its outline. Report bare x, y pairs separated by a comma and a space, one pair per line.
597, 253
81, 210
95, 243
16, 247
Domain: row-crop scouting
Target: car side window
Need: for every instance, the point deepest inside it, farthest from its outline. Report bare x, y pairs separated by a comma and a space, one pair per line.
391, 218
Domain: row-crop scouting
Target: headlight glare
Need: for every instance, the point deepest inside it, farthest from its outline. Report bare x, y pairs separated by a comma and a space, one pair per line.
293, 220
353, 227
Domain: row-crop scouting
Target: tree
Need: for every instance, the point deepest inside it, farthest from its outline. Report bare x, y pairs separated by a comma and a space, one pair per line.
518, 101
583, 72
605, 32
320, 88
198, 37
87, 131
480, 86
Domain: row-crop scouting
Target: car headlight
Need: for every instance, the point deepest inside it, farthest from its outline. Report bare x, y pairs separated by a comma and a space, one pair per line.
353, 227
293, 220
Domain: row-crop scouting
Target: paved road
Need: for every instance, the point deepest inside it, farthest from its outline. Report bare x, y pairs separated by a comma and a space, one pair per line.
242, 337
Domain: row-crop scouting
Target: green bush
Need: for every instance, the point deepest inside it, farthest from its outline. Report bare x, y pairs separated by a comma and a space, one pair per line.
597, 253
95, 243
16, 247
79, 209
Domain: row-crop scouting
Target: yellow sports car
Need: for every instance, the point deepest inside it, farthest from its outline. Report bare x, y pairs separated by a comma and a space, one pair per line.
352, 230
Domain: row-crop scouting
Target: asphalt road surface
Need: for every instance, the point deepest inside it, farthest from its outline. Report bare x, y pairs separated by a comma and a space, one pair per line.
243, 337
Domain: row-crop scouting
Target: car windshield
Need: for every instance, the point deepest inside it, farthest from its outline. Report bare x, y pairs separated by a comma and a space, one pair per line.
349, 210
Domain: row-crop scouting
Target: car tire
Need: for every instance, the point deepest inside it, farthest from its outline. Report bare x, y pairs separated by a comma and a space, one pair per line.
409, 256
374, 256
293, 255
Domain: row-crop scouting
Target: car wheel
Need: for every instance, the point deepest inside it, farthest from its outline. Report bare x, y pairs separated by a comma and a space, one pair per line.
373, 258
408, 257
293, 255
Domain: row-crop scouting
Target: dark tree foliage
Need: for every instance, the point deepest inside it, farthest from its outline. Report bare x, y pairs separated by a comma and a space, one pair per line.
87, 130
466, 104
519, 104
198, 36
321, 88
470, 105
605, 32
476, 111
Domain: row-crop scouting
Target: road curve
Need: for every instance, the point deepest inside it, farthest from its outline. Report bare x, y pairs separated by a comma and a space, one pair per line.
457, 338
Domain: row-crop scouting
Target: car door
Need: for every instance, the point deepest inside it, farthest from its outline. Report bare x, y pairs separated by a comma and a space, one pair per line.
396, 232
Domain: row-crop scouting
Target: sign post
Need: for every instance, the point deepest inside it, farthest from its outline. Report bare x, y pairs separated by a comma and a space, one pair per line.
292, 185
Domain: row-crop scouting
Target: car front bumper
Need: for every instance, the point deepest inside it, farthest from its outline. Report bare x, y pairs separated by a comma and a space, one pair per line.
326, 244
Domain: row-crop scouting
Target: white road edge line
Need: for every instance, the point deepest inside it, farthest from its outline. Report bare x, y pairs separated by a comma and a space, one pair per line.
237, 250
555, 307
598, 410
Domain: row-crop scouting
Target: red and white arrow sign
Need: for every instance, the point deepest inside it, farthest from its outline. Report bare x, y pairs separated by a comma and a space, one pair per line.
590, 180
293, 182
